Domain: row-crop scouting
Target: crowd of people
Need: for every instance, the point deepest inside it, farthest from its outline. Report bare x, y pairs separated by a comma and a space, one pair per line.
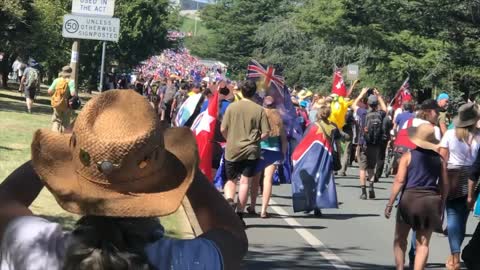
116, 146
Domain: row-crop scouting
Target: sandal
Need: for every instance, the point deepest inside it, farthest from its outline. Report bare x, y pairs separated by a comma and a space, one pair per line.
251, 211
264, 215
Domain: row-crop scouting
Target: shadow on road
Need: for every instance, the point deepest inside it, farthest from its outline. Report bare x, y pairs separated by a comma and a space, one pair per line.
337, 216
358, 186
275, 226
282, 257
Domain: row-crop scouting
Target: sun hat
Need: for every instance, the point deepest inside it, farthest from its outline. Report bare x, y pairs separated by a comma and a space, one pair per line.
119, 161
305, 94
423, 136
468, 115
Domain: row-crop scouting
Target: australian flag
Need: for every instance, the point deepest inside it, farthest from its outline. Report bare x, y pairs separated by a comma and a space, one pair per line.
273, 84
313, 184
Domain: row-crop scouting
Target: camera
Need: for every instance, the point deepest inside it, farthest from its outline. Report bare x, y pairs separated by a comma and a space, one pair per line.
224, 91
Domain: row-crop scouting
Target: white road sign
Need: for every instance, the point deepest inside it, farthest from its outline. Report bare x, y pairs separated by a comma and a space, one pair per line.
96, 28
93, 7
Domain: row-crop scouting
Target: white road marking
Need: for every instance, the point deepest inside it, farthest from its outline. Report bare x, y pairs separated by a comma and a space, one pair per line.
310, 238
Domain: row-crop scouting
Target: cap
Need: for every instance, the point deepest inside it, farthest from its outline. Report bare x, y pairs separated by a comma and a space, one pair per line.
430, 104
442, 96
372, 100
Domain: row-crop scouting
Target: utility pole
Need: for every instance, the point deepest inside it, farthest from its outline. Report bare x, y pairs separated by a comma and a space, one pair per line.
74, 62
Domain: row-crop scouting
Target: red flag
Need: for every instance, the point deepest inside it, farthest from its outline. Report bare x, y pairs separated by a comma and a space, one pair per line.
403, 95
338, 86
204, 130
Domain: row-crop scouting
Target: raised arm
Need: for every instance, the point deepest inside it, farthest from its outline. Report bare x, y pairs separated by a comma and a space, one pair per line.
352, 87
17, 193
359, 98
218, 221
381, 102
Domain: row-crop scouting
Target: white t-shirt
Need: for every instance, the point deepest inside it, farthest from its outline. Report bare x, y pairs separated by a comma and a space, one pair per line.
461, 154
417, 122
34, 243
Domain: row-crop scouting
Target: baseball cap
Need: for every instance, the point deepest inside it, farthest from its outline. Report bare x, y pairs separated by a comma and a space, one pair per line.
372, 100
430, 104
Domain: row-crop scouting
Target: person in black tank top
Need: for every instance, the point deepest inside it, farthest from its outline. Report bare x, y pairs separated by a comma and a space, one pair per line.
422, 182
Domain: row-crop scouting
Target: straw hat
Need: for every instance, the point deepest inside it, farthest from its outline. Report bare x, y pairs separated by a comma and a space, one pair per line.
118, 161
423, 136
468, 115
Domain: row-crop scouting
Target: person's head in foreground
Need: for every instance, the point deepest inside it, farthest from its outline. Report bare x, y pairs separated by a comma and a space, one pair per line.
119, 169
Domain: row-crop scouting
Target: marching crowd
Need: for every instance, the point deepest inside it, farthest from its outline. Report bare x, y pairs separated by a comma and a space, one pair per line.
104, 168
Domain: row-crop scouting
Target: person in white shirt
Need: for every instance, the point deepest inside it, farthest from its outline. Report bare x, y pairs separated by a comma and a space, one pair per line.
459, 147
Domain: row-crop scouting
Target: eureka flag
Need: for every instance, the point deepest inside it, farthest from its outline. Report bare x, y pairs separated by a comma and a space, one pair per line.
313, 184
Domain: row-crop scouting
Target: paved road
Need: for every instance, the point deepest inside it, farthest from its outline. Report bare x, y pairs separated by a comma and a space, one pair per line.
356, 236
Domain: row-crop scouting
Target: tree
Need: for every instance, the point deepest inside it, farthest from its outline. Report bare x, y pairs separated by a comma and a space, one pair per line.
233, 24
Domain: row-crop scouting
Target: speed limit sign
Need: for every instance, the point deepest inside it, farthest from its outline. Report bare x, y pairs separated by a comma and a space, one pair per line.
71, 26
88, 27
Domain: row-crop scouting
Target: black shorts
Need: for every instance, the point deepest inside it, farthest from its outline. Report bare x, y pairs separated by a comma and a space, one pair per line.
234, 169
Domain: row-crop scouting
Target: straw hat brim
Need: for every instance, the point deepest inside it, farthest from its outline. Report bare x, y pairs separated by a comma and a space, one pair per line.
430, 145
52, 160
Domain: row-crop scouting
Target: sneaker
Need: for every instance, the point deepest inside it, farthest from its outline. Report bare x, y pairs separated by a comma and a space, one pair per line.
371, 194
342, 174
363, 196
317, 213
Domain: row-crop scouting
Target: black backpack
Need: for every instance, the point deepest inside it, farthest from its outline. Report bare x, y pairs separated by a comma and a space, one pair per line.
374, 128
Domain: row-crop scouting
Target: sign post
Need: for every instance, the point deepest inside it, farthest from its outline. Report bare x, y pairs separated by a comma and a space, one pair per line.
102, 66
74, 62
90, 19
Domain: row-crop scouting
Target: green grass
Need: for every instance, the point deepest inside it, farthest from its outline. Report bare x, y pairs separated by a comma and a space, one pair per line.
16, 131
188, 25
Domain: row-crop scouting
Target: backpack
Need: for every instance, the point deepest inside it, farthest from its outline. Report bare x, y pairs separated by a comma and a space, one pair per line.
33, 79
59, 100
374, 125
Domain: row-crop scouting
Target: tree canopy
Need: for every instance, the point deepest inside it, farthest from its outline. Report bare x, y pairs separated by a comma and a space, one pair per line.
33, 28
434, 42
